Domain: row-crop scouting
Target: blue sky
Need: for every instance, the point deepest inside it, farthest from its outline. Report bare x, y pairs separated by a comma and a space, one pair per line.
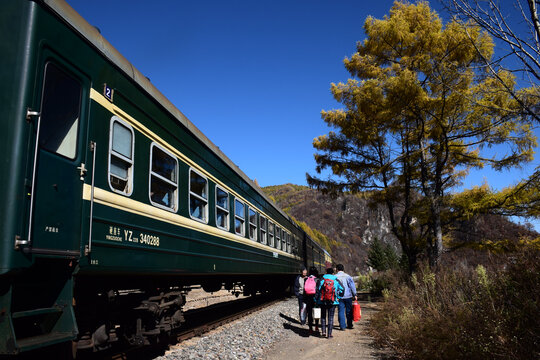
253, 76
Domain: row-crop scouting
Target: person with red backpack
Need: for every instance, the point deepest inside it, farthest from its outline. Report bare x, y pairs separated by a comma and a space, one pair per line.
329, 292
310, 289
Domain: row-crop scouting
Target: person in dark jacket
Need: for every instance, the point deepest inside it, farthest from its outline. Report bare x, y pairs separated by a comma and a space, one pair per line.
299, 291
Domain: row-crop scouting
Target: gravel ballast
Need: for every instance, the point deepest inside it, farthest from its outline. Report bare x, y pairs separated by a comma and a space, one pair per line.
246, 338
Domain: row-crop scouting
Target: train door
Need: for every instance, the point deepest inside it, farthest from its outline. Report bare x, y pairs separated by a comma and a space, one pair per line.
57, 186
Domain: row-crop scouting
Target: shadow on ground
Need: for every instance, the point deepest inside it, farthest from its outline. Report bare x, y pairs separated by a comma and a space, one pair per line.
288, 318
297, 330
303, 332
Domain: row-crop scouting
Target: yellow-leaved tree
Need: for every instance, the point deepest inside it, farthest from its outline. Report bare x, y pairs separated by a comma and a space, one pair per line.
417, 114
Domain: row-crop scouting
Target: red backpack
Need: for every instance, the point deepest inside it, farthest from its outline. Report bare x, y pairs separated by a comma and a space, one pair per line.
328, 293
310, 285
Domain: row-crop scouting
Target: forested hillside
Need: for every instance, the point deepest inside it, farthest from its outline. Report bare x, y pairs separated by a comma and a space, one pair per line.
347, 225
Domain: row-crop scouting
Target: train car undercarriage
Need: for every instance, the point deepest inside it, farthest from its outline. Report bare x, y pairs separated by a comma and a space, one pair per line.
150, 314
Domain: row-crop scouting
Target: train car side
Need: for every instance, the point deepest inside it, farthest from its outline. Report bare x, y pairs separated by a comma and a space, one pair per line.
115, 204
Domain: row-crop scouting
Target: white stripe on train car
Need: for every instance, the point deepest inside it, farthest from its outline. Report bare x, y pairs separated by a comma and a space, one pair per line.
110, 199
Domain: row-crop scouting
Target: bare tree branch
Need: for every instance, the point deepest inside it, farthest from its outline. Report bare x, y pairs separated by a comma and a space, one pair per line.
534, 19
496, 22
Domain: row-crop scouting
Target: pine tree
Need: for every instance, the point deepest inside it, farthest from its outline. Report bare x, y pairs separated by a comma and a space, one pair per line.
391, 257
376, 256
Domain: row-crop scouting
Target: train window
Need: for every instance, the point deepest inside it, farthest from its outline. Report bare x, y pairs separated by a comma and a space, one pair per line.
222, 209
262, 226
287, 236
239, 217
278, 237
271, 234
198, 196
121, 144
289, 249
60, 112
163, 178
294, 249
252, 224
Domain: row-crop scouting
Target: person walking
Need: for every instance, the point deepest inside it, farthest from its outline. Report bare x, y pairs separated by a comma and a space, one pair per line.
328, 294
299, 292
345, 313
310, 289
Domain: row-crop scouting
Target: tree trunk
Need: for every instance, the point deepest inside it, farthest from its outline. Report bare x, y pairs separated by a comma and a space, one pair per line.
412, 257
435, 243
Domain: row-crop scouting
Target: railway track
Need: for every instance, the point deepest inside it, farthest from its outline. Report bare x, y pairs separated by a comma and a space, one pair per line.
198, 322
204, 317
252, 305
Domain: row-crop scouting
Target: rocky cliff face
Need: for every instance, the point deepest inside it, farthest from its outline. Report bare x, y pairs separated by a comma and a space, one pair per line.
354, 225
347, 219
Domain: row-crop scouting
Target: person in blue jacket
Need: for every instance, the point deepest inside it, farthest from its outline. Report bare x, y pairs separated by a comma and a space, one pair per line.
345, 313
329, 292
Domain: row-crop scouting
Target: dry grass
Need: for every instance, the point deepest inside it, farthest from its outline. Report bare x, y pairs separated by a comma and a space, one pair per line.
486, 312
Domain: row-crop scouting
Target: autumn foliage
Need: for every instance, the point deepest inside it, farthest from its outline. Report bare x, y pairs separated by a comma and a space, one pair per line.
417, 113
423, 106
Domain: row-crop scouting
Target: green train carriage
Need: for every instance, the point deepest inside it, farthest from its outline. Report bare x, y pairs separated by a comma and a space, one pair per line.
123, 204
316, 255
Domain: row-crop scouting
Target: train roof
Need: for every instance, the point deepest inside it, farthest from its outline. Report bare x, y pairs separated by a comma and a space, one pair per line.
93, 36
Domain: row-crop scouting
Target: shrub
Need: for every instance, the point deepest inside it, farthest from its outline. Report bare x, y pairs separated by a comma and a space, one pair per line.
470, 313
386, 280
380, 282
365, 283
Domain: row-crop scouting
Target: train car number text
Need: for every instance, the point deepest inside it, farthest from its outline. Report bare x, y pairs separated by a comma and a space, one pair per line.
123, 235
149, 239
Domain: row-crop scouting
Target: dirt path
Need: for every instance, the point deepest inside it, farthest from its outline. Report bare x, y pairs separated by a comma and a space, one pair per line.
345, 345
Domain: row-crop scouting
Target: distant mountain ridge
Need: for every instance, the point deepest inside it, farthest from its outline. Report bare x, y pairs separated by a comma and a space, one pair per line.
347, 226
